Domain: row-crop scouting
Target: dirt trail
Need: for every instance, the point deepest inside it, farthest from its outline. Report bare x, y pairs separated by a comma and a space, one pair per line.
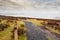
15, 32
15, 35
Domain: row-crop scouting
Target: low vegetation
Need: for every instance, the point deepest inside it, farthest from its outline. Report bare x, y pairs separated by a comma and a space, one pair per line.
36, 22
7, 29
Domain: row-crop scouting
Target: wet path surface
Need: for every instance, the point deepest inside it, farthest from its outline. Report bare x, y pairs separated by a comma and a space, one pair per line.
33, 33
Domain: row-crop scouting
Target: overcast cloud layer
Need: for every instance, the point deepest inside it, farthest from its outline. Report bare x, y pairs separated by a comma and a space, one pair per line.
31, 8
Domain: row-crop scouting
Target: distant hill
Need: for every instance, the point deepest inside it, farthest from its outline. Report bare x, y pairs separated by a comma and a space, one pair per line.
12, 17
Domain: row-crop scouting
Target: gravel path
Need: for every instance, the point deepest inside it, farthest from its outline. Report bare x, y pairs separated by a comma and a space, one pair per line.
48, 33
33, 33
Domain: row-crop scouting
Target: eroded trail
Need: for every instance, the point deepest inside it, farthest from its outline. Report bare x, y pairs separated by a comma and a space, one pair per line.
15, 34
33, 33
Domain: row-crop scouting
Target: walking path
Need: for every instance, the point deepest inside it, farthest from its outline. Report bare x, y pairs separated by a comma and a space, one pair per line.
33, 33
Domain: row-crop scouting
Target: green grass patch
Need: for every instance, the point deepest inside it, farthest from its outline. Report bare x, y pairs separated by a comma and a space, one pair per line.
6, 34
50, 38
22, 37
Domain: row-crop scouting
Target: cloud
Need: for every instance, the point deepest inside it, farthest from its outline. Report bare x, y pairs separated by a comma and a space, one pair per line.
30, 8
29, 4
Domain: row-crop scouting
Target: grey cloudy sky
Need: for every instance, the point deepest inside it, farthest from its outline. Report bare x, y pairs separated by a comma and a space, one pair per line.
30, 8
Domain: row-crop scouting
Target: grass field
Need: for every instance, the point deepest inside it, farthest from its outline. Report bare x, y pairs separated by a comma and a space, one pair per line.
6, 33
